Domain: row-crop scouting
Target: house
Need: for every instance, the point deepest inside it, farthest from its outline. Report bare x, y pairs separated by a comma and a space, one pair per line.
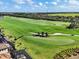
4, 51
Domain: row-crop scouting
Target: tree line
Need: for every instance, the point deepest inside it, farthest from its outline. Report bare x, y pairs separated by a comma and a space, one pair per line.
41, 16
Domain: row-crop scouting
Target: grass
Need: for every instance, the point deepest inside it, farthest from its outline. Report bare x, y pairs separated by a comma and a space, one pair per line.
40, 48
67, 14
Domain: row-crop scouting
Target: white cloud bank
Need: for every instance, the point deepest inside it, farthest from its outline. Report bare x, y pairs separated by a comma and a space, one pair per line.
69, 4
60, 4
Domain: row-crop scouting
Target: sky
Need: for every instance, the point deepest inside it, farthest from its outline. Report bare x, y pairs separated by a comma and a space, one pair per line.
39, 6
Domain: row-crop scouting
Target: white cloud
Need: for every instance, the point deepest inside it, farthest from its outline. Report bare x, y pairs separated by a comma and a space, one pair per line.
20, 1
36, 5
54, 3
29, 1
61, 0
71, 4
46, 2
65, 0
17, 6
58, 1
40, 3
74, 2
23, 1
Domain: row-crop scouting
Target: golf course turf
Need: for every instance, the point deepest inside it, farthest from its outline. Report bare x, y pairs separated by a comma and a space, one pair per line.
38, 47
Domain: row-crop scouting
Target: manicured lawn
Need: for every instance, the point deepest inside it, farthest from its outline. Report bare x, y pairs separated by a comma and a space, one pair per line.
40, 48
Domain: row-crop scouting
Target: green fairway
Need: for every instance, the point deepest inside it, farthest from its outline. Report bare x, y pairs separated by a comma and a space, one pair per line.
38, 47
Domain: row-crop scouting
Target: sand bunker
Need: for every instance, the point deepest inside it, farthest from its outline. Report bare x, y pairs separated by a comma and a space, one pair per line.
61, 34
58, 34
